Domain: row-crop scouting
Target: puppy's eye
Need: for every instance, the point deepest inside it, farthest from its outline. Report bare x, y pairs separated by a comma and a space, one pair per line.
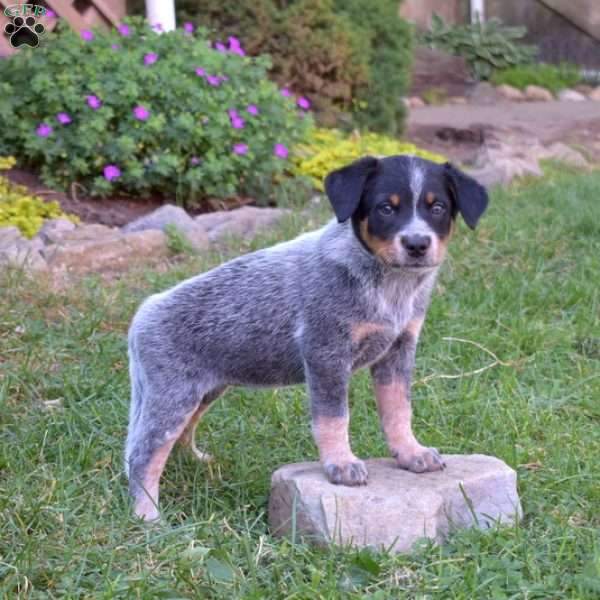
437, 209
385, 209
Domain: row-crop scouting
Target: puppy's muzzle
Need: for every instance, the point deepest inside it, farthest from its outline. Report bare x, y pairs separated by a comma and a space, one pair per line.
416, 245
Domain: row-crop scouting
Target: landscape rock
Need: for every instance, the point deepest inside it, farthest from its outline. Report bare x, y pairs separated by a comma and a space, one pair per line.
569, 95
416, 102
535, 93
51, 230
20, 253
457, 100
396, 507
9, 236
107, 252
511, 93
243, 222
483, 93
595, 94
169, 214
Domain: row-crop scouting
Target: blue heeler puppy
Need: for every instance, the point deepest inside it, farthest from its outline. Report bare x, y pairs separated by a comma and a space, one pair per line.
352, 294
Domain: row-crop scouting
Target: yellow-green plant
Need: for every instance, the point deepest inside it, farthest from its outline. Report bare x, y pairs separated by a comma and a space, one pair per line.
21, 210
330, 149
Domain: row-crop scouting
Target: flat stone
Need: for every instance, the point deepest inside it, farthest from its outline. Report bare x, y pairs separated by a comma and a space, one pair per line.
569, 95
510, 93
242, 222
84, 232
169, 214
106, 253
9, 236
396, 507
535, 93
416, 102
22, 254
52, 229
595, 94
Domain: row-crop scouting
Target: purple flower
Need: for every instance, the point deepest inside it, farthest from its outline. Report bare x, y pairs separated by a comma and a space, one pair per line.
115, 46
223, 77
50, 14
93, 102
280, 150
219, 47
252, 109
286, 93
237, 123
188, 27
44, 130
303, 103
240, 148
150, 58
157, 27
200, 72
195, 161
234, 46
86, 35
63, 118
213, 80
232, 113
141, 113
124, 30
111, 172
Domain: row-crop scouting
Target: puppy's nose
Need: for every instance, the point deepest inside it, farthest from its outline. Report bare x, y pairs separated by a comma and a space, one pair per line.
416, 245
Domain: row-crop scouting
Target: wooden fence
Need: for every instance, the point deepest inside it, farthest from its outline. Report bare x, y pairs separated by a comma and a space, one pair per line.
80, 14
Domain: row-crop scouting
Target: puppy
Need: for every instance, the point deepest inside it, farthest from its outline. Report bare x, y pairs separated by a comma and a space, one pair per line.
313, 310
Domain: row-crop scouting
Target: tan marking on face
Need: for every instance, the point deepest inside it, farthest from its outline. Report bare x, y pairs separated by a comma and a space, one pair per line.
331, 437
395, 200
146, 506
441, 247
385, 250
430, 198
414, 326
395, 413
359, 331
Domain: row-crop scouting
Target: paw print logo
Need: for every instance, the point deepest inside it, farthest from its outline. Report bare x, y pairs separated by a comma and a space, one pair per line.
24, 32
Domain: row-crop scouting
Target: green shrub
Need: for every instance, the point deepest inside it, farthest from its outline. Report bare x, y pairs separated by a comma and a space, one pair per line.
350, 56
137, 112
551, 77
330, 149
487, 46
19, 209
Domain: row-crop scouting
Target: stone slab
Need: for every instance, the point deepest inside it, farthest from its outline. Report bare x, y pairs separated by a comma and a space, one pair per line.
396, 507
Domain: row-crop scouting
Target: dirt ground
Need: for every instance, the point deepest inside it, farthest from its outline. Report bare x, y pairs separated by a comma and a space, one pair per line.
455, 131
458, 131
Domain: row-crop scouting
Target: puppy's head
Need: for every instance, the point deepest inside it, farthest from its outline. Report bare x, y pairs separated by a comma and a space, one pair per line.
403, 208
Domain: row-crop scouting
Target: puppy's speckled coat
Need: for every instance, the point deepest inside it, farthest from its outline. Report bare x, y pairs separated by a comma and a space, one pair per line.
313, 310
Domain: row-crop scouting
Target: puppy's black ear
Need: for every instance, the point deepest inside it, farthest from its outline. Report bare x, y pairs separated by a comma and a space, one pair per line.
471, 198
345, 186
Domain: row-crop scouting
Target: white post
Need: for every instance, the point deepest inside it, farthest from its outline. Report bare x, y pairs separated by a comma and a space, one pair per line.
477, 11
161, 13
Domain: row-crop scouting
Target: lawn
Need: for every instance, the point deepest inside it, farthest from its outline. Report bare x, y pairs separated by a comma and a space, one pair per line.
524, 286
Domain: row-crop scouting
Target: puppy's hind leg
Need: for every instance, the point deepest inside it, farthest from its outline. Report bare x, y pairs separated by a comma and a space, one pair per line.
188, 437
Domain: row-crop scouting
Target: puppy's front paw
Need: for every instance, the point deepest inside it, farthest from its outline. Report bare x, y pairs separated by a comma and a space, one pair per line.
348, 472
419, 459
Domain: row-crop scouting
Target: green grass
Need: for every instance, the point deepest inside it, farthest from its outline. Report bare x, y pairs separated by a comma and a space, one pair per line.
525, 286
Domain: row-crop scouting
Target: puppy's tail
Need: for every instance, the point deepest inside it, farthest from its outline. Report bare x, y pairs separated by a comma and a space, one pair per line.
137, 395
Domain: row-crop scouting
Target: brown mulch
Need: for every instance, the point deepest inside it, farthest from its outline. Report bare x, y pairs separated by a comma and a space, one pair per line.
114, 211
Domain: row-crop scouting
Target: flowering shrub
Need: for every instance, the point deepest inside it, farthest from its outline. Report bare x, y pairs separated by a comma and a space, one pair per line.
137, 112
21, 210
330, 149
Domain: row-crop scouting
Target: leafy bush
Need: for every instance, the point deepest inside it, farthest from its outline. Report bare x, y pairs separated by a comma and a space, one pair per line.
21, 210
346, 56
551, 77
137, 112
487, 46
330, 149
